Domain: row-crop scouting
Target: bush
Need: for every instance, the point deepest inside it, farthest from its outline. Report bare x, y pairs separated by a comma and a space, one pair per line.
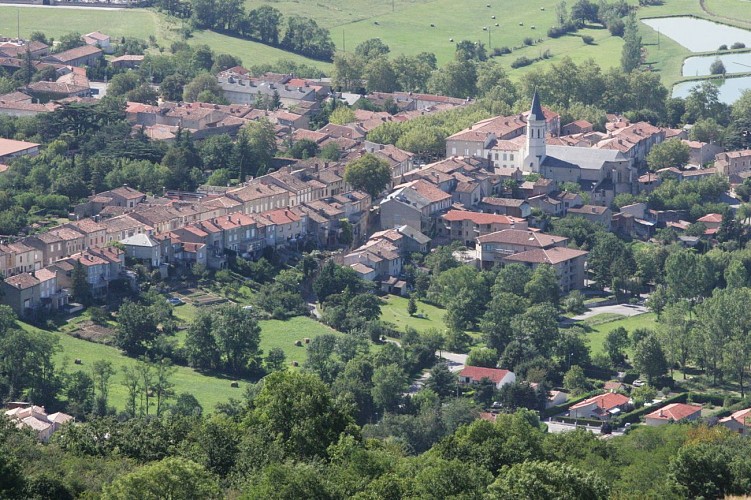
556, 31
500, 51
587, 39
723, 47
529, 41
521, 62
738, 45
717, 67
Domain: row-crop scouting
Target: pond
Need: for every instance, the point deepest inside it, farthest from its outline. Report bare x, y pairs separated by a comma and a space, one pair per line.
734, 63
698, 35
730, 88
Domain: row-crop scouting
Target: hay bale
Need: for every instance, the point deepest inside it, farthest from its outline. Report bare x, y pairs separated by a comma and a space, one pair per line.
295, 364
307, 340
298, 343
234, 385
78, 361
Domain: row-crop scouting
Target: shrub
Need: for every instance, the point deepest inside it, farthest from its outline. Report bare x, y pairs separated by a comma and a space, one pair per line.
738, 45
521, 62
723, 47
717, 67
556, 31
547, 54
587, 39
500, 51
529, 41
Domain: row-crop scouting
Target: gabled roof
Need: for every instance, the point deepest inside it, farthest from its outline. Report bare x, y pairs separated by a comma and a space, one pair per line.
478, 373
522, 237
22, 281
604, 401
675, 412
551, 256
715, 218
742, 417
479, 217
10, 146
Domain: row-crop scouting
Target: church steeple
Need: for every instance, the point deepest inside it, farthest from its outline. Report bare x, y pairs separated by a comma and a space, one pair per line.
536, 129
536, 112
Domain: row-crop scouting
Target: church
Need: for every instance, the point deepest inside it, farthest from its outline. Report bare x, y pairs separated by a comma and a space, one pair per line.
520, 142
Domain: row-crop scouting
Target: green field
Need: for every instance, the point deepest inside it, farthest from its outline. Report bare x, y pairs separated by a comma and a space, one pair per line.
600, 330
405, 25
208, 390
283, 334
394, 310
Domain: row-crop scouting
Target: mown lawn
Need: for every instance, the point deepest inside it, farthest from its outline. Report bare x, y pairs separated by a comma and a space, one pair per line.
209, 390
394, 310
599, 330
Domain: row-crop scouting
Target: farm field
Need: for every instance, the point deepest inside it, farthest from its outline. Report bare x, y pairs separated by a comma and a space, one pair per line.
283, 334
405, 25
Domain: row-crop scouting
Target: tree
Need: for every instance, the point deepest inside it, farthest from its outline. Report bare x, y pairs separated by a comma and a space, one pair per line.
255, 147
275, 360
368, 173
80, 284
304, 149
538, 325
297, 410
101, 372
200, 344
204, 85
389, 383
122, 83
136, 328
688, 275
441, 381
649, 359
186, 405
79, 391
163, 385
455, 79
342, 115
496, 321
483, 356
412, 306
144, 93
610, 259
575, 382
512, 278
535, 480
631, 52
379, 75
616, 341
372, 49
69, 41
717, 67
264, 23
671, 153
347, 73
172, 87
237, 336
543, 286
174, 477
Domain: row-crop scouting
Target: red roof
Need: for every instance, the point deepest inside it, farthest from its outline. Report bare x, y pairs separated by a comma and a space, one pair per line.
743, 417
675, 412
605, 401
479, 217
478, 373
711, 218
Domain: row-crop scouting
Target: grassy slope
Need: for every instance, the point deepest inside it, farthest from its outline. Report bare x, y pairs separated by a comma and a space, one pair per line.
208, 390
395, 311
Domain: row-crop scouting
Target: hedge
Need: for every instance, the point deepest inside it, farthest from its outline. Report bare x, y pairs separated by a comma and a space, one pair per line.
635, 416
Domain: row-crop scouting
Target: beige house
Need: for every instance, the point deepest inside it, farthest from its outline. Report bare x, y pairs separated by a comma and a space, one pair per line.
466, 226
494, 248
567, 262
675, 412
739, 421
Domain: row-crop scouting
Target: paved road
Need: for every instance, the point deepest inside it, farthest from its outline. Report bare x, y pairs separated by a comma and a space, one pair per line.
622, 309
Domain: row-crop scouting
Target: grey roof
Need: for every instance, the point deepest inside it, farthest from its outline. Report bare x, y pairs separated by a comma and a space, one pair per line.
413, 233
140, 240
408, 197
586, 158
536, 111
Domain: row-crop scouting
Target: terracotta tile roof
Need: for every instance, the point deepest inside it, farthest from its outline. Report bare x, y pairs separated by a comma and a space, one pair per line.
87, 226
428, 191
478, 217
478, 373
588, 209
361, 268
715, 218
503, 202
45, 274
281, 216
22, 281
743, 417
675, 412
76, 53
551, 256
604, 401
10, 146
522, 237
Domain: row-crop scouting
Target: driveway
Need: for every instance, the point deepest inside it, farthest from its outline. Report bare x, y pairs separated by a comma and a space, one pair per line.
622, 309
557, 427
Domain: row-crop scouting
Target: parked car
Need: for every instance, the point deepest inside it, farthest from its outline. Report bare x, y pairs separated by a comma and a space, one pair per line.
175, 301
638, 383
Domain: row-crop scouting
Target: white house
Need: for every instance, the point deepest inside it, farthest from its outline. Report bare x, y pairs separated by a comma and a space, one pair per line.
738, 421
601, 406
675, 412
474, 374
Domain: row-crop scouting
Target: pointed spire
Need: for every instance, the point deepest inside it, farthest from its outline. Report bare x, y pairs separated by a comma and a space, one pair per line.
536, 111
